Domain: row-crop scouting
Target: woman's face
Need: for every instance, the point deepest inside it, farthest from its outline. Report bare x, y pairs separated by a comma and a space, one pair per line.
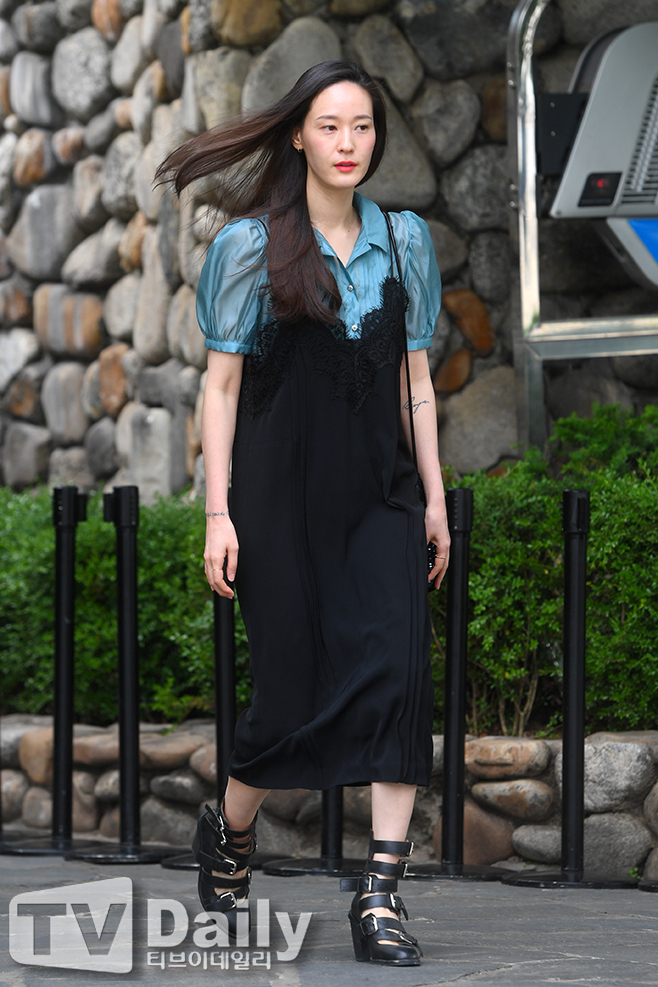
338, 136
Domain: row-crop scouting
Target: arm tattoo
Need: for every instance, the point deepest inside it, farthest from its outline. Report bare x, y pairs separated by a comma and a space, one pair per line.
414, 404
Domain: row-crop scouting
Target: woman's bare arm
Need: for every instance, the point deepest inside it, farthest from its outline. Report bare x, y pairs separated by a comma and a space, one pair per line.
220, 403
427, 451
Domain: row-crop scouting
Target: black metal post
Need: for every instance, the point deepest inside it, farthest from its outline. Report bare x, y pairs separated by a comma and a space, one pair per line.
224, 641
331, 861
332, 824
69, 507
575, 527
459, 507
224, 686
121, 507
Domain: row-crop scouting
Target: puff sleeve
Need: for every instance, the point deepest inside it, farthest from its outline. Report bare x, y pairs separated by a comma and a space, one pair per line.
229, 297
422, 280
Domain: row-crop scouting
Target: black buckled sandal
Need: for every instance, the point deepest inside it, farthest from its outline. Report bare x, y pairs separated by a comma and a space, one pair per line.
371, 934
216, 848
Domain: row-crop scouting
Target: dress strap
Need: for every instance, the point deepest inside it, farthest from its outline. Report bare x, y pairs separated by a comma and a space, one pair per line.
394, 253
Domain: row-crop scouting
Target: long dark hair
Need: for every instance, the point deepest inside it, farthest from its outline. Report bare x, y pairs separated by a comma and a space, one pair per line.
271, 180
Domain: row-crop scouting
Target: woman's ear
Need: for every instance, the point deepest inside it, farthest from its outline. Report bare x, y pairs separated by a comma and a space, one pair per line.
297, 140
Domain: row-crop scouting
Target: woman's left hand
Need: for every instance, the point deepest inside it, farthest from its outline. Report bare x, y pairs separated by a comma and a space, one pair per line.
436, 530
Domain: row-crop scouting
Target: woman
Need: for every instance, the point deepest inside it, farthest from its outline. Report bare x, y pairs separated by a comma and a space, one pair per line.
303, 311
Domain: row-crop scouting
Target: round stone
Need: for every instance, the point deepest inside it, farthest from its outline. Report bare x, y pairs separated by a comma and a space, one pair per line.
506, 757
83, 55
305, 42
490, 261
446, 117
476, 189
617, 775
523, 798
118, 194
385, 54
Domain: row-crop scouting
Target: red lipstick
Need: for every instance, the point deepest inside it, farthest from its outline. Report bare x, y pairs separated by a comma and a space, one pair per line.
345, 165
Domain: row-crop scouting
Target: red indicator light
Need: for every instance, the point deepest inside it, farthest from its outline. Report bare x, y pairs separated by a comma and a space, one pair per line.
600, 188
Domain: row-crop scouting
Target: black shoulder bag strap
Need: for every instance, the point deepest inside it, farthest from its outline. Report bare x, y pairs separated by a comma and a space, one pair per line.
394, 251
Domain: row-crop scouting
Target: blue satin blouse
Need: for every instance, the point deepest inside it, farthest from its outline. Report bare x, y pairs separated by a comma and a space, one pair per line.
231, 308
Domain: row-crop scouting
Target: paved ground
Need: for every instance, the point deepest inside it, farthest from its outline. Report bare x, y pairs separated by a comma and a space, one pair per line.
480, 933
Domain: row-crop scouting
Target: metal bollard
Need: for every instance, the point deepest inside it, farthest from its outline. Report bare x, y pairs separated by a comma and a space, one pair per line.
459, 504
224, 634
332, 824
575, 527
121, 507
69, 507
331, 861
224, 641
459, 507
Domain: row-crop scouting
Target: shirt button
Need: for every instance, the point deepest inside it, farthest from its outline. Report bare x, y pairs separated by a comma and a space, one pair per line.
350, 287
355, 328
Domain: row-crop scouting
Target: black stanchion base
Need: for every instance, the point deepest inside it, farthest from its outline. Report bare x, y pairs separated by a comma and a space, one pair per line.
331, 866
7, 841
186, 861
648, 885
452, 872
16, 844
122, 853
259, 860
559, 879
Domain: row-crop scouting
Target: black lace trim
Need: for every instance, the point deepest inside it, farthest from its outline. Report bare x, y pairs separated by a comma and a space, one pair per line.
351, 363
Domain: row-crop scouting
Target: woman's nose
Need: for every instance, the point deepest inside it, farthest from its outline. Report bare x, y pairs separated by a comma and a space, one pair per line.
346, 140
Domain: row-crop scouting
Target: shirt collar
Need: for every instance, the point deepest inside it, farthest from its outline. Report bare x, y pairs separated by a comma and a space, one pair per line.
374, 231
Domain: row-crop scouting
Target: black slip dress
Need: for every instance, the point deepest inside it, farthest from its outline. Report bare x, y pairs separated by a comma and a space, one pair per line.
332, 574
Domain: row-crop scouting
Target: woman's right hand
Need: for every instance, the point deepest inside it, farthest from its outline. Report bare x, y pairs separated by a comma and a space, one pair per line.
221, 546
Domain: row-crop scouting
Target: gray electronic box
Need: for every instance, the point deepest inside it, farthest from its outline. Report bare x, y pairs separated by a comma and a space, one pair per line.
610, 120
589, 153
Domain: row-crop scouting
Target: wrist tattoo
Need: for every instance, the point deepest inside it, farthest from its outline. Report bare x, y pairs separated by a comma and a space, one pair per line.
415, 405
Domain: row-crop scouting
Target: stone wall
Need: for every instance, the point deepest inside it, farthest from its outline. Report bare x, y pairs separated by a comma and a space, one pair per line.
511, 814
101, 361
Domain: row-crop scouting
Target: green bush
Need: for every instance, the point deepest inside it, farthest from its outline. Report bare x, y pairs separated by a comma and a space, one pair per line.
515, 631
516, 584
175, 611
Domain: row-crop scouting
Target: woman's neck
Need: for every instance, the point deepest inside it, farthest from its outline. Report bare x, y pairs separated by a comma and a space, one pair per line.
331, 210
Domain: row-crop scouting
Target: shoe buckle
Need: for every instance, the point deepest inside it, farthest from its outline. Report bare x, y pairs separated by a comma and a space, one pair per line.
228, 866
228, 895
394, 902
405, 868
399, 906
411, 849
369, 924
368, 879
217, 813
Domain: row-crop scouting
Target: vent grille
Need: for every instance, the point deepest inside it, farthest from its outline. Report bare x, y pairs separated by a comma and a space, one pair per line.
642, 183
